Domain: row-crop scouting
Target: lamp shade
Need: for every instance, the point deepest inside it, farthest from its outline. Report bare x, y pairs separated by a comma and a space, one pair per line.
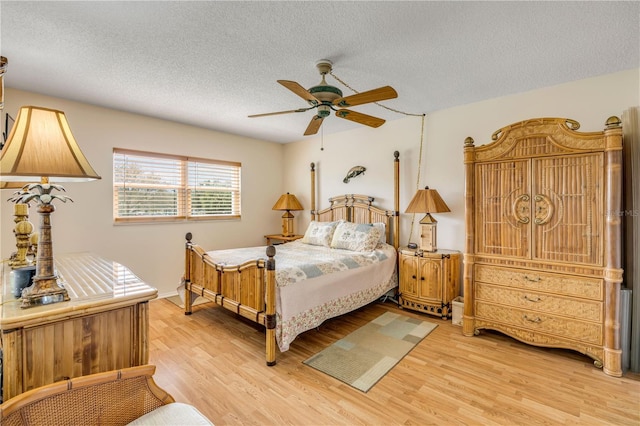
427, 201
41, 145
287, 202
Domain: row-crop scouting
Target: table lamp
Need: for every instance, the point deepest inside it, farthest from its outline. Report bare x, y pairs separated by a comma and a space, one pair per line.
41, 146
287, 202
427, 201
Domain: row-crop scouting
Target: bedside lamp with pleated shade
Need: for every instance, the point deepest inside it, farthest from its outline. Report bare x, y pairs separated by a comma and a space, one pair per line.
42, 148
287, 202
427, 201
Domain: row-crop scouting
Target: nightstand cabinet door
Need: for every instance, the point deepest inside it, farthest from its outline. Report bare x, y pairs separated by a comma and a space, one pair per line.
429, 281
409, 276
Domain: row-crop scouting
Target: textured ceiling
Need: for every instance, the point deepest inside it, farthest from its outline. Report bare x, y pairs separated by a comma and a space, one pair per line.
210, 64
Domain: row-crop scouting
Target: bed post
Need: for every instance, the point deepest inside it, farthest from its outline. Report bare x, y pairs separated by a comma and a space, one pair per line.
396, 190
187, 274
313, 191
468, 318
270, 320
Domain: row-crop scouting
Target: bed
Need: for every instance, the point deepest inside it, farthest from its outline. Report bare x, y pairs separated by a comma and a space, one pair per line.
347, 259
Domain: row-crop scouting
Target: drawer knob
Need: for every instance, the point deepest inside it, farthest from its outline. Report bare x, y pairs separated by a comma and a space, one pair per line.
533, 280
537, 320
532, 298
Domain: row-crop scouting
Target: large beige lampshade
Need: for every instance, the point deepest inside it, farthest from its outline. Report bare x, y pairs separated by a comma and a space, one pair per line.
41, 145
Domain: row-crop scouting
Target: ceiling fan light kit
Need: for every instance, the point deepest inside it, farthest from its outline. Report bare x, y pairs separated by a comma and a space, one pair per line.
326, 98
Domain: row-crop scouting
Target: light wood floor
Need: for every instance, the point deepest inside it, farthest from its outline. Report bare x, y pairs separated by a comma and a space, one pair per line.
215, 361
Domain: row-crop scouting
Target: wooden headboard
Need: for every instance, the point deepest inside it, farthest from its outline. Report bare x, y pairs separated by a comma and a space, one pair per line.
360, 208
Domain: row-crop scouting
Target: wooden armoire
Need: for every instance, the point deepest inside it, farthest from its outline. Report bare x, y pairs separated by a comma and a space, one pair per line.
542, 259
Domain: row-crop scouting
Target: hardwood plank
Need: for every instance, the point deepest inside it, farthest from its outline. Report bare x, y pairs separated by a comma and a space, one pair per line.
214, 360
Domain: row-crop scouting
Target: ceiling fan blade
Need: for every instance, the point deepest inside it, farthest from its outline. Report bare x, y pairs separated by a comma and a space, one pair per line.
314, 125
375, 95
300, 91
358, 117
280, 112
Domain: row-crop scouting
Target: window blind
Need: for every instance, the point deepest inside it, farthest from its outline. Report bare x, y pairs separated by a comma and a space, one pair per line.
149, 186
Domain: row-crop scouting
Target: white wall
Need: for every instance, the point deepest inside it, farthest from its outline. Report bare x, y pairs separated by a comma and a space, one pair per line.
154, 252
589, 101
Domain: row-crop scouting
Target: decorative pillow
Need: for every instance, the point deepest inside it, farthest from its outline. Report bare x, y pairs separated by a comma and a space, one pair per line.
383, 232
319, 233
355, 237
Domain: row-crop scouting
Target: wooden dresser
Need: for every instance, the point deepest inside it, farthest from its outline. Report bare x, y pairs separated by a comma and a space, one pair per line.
103, 327
542, 258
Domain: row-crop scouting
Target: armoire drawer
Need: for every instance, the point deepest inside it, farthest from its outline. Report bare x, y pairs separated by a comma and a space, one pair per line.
567, 285
583, 331
584, 309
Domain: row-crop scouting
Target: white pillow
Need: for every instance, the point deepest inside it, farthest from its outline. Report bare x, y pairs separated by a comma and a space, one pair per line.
355, 237
319, 233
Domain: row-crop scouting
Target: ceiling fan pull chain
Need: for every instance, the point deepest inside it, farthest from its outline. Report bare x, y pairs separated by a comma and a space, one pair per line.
413, 219
379, 104
421, 136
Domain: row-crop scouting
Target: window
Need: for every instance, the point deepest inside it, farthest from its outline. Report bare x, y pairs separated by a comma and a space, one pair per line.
150, 187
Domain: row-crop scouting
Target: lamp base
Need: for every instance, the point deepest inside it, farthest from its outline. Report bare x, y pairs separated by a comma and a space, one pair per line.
428, 236
43, 292
287, 224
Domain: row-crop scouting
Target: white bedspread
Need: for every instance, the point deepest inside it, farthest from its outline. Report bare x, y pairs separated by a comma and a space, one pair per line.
315, 283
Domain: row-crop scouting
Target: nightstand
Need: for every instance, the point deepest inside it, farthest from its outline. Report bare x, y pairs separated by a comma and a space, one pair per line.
281, 238
429, 281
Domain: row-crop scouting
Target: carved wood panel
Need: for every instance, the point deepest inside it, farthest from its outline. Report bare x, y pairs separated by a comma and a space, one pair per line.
503, 208
568, 204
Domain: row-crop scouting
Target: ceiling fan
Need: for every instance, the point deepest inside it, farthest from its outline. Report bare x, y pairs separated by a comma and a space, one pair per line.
326, 98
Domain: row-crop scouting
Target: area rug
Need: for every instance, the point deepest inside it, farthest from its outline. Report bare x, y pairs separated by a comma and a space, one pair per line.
363, 357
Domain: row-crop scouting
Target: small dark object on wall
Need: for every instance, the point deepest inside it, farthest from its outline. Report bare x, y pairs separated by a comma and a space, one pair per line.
412, 246
353, 172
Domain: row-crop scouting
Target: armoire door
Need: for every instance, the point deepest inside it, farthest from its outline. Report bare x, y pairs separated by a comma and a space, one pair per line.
567, 202
503, 208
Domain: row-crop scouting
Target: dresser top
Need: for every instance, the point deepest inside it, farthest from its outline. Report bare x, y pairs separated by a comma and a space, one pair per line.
94, 284
433, 254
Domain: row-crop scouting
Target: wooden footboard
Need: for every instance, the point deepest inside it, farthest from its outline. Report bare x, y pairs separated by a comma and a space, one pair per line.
247, 289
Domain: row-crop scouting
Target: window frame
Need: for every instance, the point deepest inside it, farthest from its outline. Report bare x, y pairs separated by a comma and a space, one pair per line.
184, 190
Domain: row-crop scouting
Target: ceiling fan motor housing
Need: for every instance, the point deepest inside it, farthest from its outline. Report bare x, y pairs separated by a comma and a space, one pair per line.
325, 93
324, 110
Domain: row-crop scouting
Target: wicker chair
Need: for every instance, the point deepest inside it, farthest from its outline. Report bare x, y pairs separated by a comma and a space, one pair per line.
110, 398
